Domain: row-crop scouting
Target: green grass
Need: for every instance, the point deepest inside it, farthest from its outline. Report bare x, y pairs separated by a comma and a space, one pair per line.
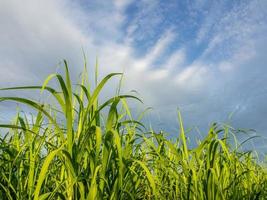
72, 149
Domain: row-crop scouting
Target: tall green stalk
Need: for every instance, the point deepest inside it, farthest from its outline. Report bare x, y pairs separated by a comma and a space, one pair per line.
83, 147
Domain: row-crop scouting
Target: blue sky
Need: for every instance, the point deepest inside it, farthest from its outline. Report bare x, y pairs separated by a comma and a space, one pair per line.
206, 57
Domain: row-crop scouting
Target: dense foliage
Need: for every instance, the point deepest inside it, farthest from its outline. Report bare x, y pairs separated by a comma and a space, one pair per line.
93, 154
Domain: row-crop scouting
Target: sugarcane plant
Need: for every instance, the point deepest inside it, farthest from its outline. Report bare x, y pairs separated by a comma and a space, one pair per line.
78, 146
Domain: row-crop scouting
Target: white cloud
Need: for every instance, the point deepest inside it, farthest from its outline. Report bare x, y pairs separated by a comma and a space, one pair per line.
176, 60
34, 36
157, 74
192, 77
122, 4
225, 66
230, 32
143, 25
156, 51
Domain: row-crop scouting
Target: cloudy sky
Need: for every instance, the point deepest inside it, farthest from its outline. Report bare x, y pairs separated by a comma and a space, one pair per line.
206, 57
